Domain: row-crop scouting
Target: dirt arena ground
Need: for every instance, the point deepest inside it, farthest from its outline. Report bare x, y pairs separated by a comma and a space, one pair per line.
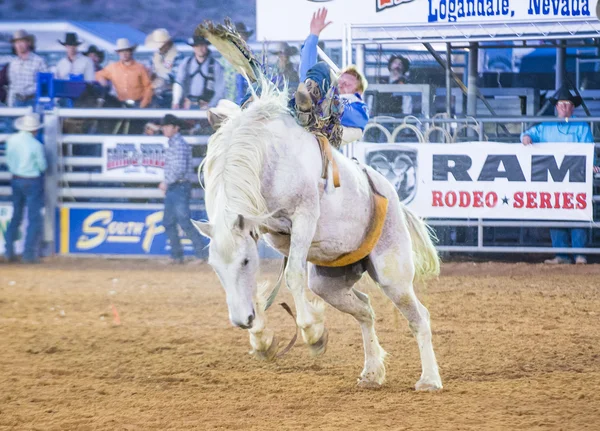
518, 347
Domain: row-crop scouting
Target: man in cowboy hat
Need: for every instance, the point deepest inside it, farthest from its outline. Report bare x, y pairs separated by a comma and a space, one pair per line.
74, 63
129, 78
177, 185
284, 68
26, 162
398, 66
23, 70
163, 61
96, 55
563, 131
200, 81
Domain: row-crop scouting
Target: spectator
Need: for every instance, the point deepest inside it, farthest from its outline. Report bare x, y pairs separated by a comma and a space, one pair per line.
74, 63
179, 172
163, 61
96, 56
23, 70
563, 131
129, 78
200, 80
398, 67
26, 162
241, 85
316, 83
285, 69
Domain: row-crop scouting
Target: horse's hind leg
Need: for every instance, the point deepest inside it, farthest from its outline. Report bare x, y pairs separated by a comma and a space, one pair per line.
335, 286
393, 270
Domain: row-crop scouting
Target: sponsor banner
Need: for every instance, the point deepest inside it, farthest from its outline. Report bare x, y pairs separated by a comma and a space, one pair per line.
6, 212
117, 231
292, 22
138, 160
488, 180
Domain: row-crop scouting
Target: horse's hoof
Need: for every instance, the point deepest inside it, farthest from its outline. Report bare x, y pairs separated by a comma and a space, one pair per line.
270, 353
428, 385
319, 348
368, 384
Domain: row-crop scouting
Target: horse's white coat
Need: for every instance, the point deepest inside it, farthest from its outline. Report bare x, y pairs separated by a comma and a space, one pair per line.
263, 175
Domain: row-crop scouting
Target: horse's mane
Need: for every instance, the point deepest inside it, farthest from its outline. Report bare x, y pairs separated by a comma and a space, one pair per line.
234, 161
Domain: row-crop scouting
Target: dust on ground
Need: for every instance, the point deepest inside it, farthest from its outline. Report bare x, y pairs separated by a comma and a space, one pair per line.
518, 347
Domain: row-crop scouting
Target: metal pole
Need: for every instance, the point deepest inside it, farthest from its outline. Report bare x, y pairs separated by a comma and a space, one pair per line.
51, 131
449, 80
561, 64
360, 58
472, 81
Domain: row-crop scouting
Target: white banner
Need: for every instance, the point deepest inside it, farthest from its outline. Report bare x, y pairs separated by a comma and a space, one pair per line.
276, 21
488, 180
143, 161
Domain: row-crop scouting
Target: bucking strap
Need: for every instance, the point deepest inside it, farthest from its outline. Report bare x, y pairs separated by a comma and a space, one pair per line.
327, 159
380, 207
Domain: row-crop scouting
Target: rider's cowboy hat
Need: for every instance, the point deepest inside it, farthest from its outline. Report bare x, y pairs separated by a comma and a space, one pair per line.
241, 28
284, 48
70, 40
157, 38
123, 44
28, 123
563, 93
198, 40
20, 35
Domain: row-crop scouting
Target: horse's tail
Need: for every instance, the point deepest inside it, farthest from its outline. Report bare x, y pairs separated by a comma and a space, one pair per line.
426, 259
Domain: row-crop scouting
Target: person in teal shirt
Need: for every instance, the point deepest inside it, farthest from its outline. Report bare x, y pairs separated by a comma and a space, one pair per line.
26, 162
563, 131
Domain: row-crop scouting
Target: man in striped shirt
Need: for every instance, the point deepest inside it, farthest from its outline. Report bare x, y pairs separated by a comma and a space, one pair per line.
177, 186
23, 70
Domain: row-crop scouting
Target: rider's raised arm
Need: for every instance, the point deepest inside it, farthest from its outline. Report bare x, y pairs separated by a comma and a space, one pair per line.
308, 56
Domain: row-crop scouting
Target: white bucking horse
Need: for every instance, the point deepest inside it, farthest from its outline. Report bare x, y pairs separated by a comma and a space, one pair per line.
263, 177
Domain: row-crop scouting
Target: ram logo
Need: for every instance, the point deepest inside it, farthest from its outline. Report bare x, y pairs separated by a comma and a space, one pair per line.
399, 166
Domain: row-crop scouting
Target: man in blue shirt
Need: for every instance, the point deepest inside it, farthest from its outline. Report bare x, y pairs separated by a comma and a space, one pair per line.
26, 162
316, 82
178, 187
563, 131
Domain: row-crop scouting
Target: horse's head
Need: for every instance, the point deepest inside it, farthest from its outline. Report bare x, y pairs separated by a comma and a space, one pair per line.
234, 257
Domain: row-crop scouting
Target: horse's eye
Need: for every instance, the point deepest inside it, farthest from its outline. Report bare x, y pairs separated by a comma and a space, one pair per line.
245, 262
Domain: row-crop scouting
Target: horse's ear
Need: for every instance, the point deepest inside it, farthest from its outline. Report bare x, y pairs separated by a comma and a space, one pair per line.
205, 228
239, 223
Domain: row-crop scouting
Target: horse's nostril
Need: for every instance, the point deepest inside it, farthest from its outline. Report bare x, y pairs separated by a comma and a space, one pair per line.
251, 319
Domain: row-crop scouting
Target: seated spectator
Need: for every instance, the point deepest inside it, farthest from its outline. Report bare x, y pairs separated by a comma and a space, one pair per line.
23, 70
129, 78
563, 131
74, 63
200, 81
163, 61
284, 68
96, 56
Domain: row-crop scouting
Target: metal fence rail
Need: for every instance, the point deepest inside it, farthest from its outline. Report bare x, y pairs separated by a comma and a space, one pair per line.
77, 180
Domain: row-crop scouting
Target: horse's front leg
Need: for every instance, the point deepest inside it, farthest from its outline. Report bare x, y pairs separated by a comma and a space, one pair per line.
310, 314
263, 341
